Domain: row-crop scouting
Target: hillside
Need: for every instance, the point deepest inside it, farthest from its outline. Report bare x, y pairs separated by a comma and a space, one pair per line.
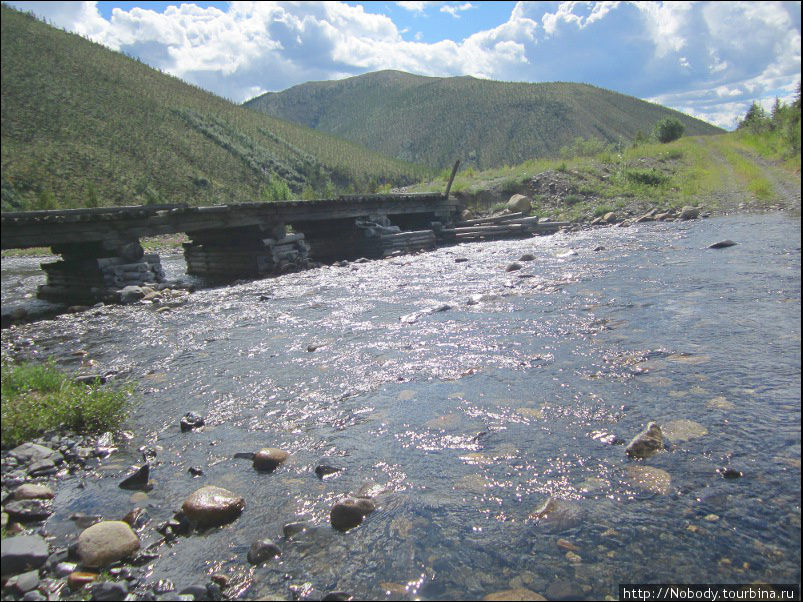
85, 126
435, 120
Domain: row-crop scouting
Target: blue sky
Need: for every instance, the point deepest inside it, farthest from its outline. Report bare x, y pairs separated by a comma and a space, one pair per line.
707, 59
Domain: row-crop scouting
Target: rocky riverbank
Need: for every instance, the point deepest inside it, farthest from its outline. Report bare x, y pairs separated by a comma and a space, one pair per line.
110, 556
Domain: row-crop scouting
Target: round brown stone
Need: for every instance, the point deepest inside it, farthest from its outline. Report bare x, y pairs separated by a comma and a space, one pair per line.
268, 458
210, 506
106, 542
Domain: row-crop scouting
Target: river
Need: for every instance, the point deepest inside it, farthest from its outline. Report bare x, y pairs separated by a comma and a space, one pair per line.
471, 417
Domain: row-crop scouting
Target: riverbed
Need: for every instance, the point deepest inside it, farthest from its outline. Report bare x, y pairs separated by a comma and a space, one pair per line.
470, 395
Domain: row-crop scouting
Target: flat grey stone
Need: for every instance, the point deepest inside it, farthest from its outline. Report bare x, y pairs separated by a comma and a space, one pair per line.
31, 451
22, 553
25, 582
109, 590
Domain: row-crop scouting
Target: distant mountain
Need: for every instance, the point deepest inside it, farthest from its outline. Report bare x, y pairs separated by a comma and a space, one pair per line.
435, 120
83, 126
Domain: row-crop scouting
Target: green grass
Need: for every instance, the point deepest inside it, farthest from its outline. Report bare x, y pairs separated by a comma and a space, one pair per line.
750, 174
688, 171
37, 398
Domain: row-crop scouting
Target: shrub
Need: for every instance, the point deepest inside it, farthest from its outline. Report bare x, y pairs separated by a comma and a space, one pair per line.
275, 190
647, 177
668, 129
583, 147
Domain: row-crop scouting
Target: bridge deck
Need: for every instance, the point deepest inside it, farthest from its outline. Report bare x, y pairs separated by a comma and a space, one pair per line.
48, 228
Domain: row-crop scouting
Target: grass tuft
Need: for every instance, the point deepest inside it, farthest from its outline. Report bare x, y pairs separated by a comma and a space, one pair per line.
37, 398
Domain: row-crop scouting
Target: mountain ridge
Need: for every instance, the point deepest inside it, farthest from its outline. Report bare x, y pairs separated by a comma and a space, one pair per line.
485, 123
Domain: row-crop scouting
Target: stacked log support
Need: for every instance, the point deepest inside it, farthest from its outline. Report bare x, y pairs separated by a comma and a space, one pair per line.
373, 237
229, 254
98, 271
514, 225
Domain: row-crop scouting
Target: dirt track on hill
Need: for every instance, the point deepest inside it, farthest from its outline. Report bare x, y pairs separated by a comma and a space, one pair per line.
735, 195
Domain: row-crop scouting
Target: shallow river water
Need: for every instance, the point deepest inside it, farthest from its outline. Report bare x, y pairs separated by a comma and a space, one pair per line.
471, 417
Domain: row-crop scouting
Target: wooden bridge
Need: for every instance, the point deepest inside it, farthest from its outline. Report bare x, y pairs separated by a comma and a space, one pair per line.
101, 252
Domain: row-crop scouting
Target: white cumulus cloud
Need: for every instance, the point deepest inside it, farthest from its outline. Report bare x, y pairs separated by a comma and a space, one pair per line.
709, 59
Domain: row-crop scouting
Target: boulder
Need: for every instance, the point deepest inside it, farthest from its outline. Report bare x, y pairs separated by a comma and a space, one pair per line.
106, 542
519, 203
610, 218
269, 458
22, 553
131, 294
689, 212
211, 506
349, 513
646, 443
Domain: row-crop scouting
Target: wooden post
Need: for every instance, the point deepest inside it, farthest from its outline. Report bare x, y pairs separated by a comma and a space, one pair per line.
451, 178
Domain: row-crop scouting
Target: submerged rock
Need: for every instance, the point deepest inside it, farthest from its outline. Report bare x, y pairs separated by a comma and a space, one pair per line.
211, 506
349, 513
722, 244
263, 550
191, 421
269, 458
558, 515
138, 479
646, 443
324, 471
683, 430
513, 267
516, 594
106, 542
290, 530
649, 479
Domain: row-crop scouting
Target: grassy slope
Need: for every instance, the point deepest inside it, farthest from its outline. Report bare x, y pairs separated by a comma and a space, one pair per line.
718, 172
434, 121
80, 121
